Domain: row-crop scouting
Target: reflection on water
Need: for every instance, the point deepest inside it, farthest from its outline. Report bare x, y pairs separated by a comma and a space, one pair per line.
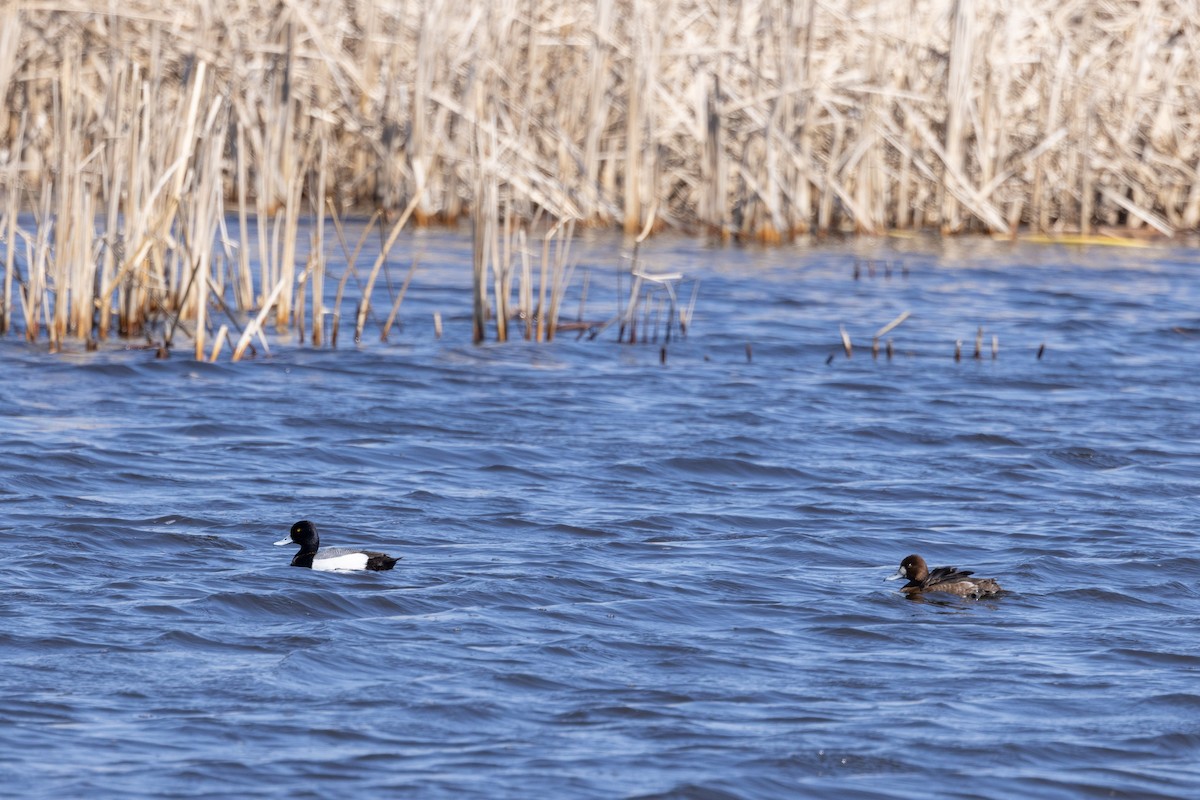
622, 578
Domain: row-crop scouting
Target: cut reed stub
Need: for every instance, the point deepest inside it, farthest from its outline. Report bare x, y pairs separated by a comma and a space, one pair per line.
1041, 351
846, 345
995, 346
889, 349
958, 350
875, 347
749, 353
979, 343
662, 355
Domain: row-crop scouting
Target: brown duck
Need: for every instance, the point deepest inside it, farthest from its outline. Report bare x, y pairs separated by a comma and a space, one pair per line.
942, 579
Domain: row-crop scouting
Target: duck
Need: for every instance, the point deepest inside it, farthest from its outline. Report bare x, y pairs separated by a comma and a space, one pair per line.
313, 556
942, 579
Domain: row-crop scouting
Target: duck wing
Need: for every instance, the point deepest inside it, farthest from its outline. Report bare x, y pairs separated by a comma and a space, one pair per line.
335, 552
947, 575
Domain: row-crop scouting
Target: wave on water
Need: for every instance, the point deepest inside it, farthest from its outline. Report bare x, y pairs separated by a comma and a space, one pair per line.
619, 577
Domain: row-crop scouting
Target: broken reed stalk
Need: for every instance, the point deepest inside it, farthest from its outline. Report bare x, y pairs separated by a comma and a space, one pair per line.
628, 315
12, 208
302, 281
218, 343
891, 326
583, 292
351, 260
318, 249
479, 251
255, 327
364, 304
879, 334
525, 292
502, 269
387, 326
685, 320
562, 270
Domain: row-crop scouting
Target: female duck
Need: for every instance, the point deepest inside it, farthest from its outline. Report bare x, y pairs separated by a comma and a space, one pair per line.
942, 579
312, 555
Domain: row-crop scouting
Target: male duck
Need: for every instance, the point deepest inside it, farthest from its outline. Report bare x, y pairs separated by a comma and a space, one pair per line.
942, 579
312, 555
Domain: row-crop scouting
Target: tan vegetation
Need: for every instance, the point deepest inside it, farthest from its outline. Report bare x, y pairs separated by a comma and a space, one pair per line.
133, 131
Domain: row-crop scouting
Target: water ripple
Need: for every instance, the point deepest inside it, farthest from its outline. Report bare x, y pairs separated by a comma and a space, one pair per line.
622, 578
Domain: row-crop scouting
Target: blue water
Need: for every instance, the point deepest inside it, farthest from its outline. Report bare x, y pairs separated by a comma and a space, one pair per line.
624, 578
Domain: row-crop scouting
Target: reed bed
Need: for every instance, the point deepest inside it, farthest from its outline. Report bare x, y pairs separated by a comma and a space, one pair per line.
130, 134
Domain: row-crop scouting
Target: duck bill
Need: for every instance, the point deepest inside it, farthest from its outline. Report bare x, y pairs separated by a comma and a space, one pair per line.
899, 574
283, 541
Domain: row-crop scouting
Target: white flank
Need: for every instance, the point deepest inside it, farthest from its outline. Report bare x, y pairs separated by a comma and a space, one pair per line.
348, 561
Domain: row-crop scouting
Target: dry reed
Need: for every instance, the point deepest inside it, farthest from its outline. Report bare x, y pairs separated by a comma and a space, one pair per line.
128, 135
